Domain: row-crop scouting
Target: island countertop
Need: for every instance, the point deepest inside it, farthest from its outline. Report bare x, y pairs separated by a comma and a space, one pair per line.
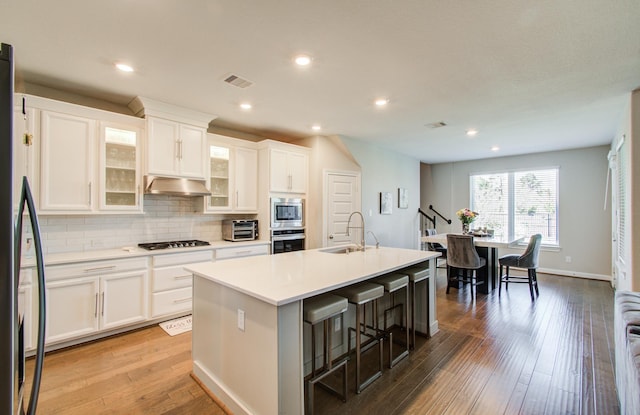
284, 278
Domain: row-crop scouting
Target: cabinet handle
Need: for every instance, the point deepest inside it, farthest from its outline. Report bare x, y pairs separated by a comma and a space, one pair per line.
243, 252
95, 312
102, 310
99, 268
180, 149
182, 300
89, 194
236, 201
177, 149
289, 182
182, 277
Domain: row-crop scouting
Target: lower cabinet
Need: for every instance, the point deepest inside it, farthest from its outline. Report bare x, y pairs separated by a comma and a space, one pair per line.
85, 298
241, 251
171, 283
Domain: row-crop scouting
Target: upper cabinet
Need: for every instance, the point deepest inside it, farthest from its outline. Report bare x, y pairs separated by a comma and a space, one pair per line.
176, 139
89, 159
233, 175
287, 166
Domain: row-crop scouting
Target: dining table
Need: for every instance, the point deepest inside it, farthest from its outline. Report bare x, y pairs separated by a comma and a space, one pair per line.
487, 247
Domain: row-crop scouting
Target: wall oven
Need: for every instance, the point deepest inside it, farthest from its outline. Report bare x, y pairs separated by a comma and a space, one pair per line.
287, 240
287, 213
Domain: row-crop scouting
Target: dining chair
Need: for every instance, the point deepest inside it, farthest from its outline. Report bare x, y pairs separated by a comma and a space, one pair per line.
528, 260
433, 246
462, 255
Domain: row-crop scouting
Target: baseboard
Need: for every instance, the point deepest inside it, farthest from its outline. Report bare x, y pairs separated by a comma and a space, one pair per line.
577, 274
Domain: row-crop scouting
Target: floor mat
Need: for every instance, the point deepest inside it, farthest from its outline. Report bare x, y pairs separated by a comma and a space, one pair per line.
177, 326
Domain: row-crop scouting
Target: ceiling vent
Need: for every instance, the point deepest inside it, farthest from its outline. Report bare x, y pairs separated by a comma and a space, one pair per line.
235, 80
436, 124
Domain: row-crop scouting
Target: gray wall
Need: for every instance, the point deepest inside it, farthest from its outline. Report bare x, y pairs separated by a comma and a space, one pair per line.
386, 171
585, 225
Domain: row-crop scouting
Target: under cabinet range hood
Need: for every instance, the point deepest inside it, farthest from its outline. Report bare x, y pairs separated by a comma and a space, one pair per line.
156, 185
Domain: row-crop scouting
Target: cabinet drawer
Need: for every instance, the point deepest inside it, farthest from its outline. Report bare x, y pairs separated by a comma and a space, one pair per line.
170, 302
171, 278
241, 251
182, 258
81, 269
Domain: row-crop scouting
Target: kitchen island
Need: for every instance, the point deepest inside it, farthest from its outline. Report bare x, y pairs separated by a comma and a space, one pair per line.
247, 319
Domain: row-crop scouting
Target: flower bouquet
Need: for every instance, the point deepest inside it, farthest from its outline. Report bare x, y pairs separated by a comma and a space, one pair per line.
466, 216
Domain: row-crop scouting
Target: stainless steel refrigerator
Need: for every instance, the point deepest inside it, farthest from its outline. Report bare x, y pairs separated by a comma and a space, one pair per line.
12, 357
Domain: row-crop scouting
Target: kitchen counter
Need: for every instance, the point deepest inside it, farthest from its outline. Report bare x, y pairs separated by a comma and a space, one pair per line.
131, 251
247, 319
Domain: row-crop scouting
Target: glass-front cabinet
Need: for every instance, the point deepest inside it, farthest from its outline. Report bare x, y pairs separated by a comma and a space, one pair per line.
120, 168
219, 159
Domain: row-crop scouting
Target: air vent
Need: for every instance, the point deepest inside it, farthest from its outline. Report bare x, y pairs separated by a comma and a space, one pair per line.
235, 80
436, 124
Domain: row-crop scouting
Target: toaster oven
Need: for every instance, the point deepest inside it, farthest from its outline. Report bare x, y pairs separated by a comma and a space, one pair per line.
239, 230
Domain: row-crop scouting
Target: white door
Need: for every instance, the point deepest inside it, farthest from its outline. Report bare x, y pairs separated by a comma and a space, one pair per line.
72, 308
67, 162
246, 179
162, 147
123, 299
192, 151
343, 198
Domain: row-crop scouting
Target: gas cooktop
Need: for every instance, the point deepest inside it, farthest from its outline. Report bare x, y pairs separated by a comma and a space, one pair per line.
152, 246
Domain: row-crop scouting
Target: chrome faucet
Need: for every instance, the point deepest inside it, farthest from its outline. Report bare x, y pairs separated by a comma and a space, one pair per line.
376, 238
361, 246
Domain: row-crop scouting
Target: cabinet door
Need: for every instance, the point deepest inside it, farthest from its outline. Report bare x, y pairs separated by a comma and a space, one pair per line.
24, 162
119, 168
67, 161
219, 178
246, 179
279, 173
162, 147
25, 309
123, 299
72, 308
192, 151
298, 168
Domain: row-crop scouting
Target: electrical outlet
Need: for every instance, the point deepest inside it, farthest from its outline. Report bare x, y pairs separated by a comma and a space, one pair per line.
567, 259
241, 319
337, 324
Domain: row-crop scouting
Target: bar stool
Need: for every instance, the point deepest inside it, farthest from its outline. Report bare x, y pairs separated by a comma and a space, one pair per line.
417, 274
322, 309
392, 283
360, 295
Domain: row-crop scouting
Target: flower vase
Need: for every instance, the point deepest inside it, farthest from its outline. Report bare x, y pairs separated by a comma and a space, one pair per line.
465, 228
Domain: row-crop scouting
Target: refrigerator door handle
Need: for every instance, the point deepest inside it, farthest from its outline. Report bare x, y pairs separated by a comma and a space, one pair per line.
26, 198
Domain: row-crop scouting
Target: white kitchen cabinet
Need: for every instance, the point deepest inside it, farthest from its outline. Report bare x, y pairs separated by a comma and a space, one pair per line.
120, 168
175, 149
26, 307
72, 157
171, 291
288, 171
24, 150
241, 251
86, 298
66, 179
233, 176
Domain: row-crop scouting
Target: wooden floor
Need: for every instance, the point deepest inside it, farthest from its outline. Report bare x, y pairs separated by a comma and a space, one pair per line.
492, 356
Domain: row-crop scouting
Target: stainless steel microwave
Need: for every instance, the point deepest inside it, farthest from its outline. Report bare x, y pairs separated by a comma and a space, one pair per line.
287, 213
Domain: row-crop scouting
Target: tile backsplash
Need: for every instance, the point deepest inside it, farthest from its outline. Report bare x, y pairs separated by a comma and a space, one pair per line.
166, 218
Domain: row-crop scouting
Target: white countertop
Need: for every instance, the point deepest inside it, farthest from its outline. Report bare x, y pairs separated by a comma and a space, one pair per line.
130, 251
284, 278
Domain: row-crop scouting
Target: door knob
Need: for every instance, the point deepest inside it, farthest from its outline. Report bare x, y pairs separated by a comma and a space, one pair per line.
330, 236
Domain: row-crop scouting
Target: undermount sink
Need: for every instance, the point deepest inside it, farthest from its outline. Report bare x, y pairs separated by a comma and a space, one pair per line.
344, 249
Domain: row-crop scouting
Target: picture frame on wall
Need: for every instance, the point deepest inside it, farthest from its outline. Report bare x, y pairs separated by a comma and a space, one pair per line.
386, 203
403, 198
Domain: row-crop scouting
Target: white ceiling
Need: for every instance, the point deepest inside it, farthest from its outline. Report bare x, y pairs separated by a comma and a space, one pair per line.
529, 75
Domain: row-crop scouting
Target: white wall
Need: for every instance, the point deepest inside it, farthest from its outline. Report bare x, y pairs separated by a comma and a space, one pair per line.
585, 226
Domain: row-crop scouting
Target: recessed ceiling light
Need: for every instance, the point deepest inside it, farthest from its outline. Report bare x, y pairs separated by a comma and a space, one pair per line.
246, 106
495, 148
381, 102
316, 127
124, 67
302, 60
471, 132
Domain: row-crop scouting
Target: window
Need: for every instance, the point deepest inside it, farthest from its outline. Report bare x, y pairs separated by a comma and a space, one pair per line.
517, 203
